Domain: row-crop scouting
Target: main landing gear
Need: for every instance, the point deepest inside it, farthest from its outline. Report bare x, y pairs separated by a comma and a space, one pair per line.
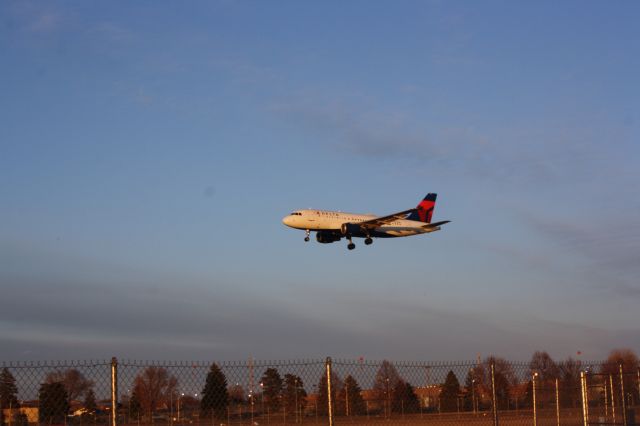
350, 246
306, 236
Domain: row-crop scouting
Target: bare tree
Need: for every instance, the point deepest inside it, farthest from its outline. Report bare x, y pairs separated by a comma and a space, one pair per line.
73, 381
570, 382
630, 363
504, 377
548, 371
387, 379
154, 387
272, 388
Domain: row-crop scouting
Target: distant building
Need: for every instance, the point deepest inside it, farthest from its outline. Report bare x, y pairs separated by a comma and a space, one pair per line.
429, 396
12, 416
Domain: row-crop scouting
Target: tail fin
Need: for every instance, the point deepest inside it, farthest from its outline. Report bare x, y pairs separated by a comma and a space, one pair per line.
424, 210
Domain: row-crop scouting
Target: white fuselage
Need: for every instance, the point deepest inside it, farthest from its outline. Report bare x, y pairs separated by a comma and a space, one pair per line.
326, 220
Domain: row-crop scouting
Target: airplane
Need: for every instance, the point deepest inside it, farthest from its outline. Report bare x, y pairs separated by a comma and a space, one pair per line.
332, 226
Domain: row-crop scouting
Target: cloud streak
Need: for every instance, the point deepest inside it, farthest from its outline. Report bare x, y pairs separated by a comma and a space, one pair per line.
361, 127
611, 247
84, 317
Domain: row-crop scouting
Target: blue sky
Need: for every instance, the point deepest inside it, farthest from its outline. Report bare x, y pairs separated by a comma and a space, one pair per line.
148, 152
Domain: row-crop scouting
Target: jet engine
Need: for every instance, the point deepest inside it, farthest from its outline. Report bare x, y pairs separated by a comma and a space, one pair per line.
326, 237
350, 229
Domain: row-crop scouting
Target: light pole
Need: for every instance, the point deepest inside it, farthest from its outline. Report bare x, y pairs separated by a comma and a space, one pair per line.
296, 399
251, 402
195, 396
129, 408
473, 395
535, 411
388, 400
315, 400
181, 395
261, 398
171, 406
346, 397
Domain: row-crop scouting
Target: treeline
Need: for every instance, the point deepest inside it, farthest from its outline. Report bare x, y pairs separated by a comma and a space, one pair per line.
65, 393
55, 396
514, 389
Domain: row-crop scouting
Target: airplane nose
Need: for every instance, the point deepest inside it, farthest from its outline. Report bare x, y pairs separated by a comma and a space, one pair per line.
287, 220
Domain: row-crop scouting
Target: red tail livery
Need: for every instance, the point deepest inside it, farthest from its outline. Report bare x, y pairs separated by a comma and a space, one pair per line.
424, 210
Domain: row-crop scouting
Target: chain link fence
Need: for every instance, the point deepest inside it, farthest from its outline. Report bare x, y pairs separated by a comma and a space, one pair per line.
317, 392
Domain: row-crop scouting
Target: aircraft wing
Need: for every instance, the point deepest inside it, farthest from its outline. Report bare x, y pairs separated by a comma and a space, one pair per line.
379, 221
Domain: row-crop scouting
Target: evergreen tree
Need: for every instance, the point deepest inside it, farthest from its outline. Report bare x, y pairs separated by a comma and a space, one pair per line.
336, 388
8, 389
294, 395
272, 388
527, 400
8, 392
215, 396
351, 393
135, 408
405, 399
449, 393
471, 389
54, 404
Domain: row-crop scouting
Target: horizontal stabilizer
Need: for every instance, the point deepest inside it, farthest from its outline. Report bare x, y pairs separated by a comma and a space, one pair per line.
436, 224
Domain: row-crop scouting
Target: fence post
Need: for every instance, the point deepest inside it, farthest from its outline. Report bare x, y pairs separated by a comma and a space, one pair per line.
114, 391
613, 398
494, 404
329, 397
535, 412
638, 403
557, 403
585, 401
606, 399
623, 405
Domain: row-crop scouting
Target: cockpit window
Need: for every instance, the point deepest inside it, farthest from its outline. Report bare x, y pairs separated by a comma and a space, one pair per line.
296, 214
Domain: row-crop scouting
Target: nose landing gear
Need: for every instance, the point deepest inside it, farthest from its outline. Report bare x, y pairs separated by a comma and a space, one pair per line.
306, 236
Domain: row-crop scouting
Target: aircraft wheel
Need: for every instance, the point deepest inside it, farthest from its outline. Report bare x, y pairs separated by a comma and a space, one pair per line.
306, 238
368, 241
351, 246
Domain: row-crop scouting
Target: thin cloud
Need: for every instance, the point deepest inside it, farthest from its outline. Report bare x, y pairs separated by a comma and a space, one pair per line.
611, 247
36, 17
83, 316
111, 31
44, 22
359, 127
374, 134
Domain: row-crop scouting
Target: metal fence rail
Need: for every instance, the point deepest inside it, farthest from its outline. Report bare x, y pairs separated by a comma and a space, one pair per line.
316, 392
